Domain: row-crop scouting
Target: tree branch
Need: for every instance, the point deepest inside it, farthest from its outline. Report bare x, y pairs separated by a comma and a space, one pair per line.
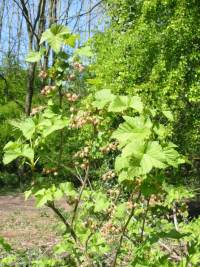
86, 12
60, 215
80, 195
124, 230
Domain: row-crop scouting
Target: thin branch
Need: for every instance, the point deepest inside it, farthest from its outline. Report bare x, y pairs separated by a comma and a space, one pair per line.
80, 195
144, 219
124, 230
175, 219
181, 245
78, 16
62, 165
25, 13
60, 215
85, 13
40, 8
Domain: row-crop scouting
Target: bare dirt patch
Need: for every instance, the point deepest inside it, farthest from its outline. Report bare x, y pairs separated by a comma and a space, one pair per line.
24, 226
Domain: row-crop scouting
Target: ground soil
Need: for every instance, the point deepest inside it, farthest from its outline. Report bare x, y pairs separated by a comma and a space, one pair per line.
24, 226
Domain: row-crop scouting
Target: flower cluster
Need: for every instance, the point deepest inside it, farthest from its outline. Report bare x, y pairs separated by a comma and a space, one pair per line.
108, 175
71, 77
84, 153
37, 110
85, 118
113, 192
110, 147
43, 74
79, 67
84, 165
71, 97
109, 228
47, 171
48, 89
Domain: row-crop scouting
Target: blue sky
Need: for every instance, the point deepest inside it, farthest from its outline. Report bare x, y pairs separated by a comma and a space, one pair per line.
13, 19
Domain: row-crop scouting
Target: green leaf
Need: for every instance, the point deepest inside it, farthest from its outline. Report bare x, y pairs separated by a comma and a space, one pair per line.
121, 163
58, 194
27, 152
120, 211
42, 200
68, 189
43, 196
172, 234
27, 127
103, 97
101, 202
161, 131
133, 128
134, 149
176, 194
153, 157
52, 126
55, 36
71, 40
147, 157
12, 151
119, 104
168, 114
84, 52
136, 103
139, 158
172, 156
28, 194
33, 56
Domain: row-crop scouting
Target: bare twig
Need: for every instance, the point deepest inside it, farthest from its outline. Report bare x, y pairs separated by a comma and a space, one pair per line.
144, 219
183, 246
85, 13
124, 230
80, 195
63, 219
175, 219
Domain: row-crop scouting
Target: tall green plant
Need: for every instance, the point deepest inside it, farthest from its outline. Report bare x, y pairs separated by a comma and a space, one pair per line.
132, 215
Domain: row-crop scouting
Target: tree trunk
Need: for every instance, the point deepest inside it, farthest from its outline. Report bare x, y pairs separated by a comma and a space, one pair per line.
1, 17
30, 88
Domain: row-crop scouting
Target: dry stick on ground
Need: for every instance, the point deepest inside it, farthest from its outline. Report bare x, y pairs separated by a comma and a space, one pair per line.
173, 253
124, 230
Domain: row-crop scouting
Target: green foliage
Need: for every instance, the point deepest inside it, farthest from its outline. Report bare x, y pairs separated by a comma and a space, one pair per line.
5, 245
33, 56
139, 165
34, 131
117, 103
151, 49
55, 36
123, 207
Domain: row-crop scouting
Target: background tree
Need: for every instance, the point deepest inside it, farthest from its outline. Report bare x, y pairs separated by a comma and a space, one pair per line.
152, 49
